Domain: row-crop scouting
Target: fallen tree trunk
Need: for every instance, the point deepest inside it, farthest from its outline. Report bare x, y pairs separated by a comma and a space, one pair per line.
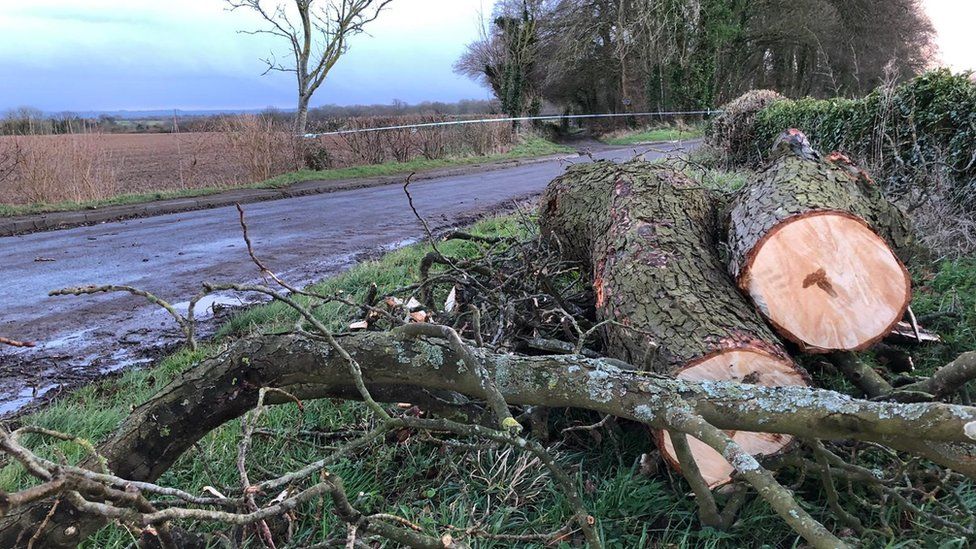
648, 234
430, 371
805, 246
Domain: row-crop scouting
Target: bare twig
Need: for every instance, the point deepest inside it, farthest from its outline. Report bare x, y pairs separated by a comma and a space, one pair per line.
590, 427
15, 343
185, 323
707, 509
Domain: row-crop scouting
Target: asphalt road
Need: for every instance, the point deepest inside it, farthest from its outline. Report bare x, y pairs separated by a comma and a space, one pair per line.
303, 239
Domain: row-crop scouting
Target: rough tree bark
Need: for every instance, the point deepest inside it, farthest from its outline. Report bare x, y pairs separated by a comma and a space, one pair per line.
649, 236
804, 244
429, 370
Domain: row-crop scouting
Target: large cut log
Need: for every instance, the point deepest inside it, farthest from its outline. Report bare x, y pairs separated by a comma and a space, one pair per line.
811, 241
648, 234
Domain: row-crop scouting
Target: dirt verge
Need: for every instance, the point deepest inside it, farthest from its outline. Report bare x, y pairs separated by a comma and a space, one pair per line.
10, 226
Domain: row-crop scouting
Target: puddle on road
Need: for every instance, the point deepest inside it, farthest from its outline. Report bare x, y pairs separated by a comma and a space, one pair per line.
210, 304
80, 356
56, 371
23, 398
120, 360
398, 244
71, 338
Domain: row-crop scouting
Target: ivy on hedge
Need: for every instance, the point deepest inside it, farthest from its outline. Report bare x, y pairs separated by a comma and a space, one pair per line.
914, 137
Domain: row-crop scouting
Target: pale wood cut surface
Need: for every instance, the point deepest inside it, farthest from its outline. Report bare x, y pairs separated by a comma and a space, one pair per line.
747, 366
852, 287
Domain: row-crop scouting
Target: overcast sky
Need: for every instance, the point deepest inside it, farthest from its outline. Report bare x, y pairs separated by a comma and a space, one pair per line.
85, 55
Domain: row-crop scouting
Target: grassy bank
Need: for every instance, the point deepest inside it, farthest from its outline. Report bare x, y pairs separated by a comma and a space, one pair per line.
652, 135
531, 146
499, 490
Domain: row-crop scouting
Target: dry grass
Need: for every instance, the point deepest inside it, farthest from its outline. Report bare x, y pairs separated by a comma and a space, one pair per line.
402, 145
240, 150
57, 168
945, 227
259, 148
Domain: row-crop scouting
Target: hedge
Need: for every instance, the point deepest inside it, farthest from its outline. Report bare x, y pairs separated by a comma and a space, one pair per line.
733, 131
917, 138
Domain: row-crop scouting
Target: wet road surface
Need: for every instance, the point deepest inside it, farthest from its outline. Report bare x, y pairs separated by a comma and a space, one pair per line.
303, 239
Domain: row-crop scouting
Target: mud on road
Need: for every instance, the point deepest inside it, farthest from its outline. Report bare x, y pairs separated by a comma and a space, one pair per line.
303, 239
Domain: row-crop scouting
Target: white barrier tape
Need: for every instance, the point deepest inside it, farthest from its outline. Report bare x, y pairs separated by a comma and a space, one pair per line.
512, 119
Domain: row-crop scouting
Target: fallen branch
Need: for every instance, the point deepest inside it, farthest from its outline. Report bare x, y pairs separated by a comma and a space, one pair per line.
778, 497
948, 379
228, 385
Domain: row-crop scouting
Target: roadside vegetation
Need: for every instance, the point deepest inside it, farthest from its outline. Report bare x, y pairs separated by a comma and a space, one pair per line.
77, 164
917, 139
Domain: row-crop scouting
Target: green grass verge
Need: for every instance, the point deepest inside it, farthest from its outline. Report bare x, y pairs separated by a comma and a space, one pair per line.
654, 134
503, 491
530, 146
946, 291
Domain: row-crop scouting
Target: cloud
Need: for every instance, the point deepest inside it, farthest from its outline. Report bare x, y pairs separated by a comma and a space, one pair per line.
133, 54
953, 21
72, 14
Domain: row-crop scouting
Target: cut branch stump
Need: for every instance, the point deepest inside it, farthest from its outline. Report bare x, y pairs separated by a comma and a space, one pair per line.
813, 243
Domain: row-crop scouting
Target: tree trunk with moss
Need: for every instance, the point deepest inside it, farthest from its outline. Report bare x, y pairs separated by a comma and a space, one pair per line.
648, 235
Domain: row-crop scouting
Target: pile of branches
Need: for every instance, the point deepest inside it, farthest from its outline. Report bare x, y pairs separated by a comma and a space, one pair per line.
480, 343
515, 293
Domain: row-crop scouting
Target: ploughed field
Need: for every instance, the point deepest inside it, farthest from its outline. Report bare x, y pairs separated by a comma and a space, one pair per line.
55, 168
149, 162
86, 167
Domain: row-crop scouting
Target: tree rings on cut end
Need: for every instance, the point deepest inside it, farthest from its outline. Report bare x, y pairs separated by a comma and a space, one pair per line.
826, 281
748, 366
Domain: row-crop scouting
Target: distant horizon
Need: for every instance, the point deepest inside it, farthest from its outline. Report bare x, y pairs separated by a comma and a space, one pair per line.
224, 110
204, 111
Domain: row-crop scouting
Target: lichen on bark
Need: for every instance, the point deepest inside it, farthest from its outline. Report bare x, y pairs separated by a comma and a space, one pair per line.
790, 186
649, 235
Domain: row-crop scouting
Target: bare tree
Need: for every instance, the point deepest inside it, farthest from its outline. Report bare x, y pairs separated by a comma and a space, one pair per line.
317, 43
506, 54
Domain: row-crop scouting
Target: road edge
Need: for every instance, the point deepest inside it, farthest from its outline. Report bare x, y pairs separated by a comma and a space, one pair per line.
34, 223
